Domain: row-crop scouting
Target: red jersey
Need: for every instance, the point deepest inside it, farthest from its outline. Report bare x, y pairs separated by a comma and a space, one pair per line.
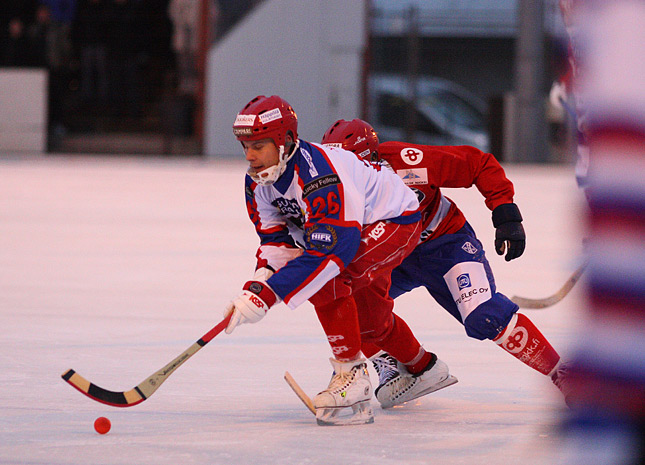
427, 168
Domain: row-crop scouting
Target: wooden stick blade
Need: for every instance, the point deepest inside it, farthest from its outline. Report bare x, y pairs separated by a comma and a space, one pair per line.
147, 387
104, 396
299, 392
545, 302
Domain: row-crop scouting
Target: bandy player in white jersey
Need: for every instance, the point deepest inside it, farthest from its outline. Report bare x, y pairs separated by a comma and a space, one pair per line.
331, 229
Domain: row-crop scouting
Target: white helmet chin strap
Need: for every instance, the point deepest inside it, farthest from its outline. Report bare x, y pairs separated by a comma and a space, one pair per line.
270, 175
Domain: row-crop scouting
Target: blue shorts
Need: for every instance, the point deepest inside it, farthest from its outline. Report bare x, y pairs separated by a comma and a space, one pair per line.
455, 271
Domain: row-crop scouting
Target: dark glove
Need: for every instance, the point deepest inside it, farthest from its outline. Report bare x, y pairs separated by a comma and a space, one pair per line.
509, 234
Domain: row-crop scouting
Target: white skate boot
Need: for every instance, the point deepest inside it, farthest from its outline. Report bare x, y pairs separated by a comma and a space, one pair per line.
397, 386
350, 386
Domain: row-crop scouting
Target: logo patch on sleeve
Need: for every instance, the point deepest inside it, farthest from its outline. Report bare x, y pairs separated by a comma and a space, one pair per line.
322, 237
413, 176
411, 156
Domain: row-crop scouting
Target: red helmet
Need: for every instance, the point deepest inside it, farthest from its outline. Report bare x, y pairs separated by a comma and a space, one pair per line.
266, 117
356, 136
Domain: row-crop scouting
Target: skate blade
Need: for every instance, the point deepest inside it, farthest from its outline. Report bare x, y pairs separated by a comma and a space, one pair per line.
362, 414
449, 381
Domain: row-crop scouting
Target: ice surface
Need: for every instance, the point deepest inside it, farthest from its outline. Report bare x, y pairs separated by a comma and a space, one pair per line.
114, 266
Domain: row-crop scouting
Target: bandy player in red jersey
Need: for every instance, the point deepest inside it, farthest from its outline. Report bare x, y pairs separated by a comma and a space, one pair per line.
449, 260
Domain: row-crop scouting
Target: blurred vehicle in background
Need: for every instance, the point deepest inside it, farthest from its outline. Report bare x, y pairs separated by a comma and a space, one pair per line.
444, 112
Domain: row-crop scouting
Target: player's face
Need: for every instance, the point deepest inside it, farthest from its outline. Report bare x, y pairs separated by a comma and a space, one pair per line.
261, 154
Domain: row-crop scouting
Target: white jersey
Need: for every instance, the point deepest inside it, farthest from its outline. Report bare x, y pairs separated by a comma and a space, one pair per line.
310, 220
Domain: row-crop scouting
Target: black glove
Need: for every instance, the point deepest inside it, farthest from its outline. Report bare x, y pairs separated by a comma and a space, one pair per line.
509, 234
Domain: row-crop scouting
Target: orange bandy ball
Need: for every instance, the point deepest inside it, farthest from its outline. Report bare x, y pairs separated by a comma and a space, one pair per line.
102, 425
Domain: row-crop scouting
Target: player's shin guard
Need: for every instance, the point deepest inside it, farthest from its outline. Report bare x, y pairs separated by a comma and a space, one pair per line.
524, 341
339, 320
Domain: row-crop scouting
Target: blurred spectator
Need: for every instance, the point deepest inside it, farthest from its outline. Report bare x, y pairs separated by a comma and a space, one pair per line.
14, 17
16, 50
62, 14
185, 17
125, 46
45, 52
90, 33
41, 38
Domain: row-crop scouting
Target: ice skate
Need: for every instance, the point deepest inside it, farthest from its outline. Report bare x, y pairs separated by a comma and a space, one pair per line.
397, 386
386, 367
349, 387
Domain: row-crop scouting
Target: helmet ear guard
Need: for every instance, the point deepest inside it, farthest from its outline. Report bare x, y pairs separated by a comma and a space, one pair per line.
355, 136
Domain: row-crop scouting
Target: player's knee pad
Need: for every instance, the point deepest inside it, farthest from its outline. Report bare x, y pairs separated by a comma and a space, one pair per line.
490, 317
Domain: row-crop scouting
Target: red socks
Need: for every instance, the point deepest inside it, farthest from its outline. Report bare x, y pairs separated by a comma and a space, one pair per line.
419, 362
520, 338
339, 320
524, 341
369, 349
403, 346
